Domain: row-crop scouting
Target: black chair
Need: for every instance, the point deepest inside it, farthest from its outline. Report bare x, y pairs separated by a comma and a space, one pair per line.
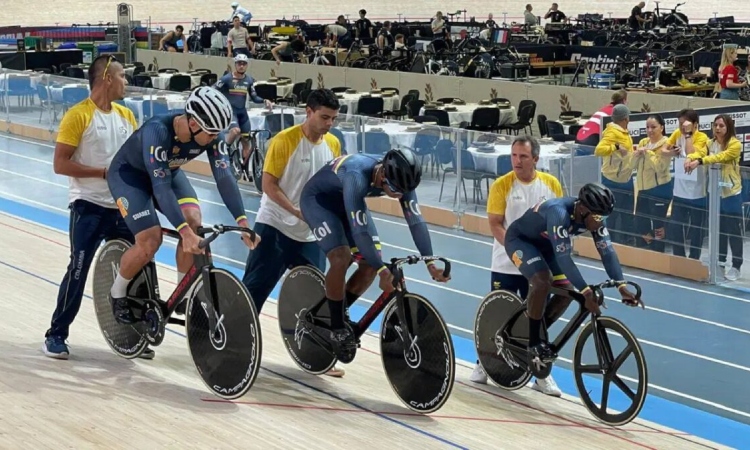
414, 107
484, 119
340, 136
424, 145
370, 106
75, 72
403, 110
442, 116
541, 121
209, 79
526, 112
415, 93
375, 143
557, 132
468, 172
275, 124
179, 83
266, 91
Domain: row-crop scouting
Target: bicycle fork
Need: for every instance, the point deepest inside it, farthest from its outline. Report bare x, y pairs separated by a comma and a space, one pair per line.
210, 306
603, 349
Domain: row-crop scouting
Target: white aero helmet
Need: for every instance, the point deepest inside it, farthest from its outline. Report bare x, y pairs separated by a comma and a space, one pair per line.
241, 57
235, 5
210, 108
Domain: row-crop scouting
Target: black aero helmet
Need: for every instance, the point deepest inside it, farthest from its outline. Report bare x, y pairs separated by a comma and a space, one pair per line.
597, 198
402, 170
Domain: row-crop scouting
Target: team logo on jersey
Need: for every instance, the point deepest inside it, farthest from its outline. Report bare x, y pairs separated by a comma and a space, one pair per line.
517, 255
175, 150
602, 232
560, 232
177, 162
322, 231
158, 154
414, 208
359, 218
122, 205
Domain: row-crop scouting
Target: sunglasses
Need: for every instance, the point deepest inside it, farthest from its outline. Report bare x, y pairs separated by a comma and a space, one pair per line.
109, 61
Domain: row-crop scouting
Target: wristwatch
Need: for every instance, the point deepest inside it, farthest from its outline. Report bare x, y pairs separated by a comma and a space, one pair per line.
700, 161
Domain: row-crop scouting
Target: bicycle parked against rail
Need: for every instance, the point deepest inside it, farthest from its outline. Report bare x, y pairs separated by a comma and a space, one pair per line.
221, 322
241, 166
415, 344
501, 335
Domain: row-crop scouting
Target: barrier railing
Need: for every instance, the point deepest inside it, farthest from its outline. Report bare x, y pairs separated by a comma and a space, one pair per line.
664, 228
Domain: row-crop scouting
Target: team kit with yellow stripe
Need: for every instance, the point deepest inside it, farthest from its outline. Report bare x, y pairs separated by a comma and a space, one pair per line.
145, 176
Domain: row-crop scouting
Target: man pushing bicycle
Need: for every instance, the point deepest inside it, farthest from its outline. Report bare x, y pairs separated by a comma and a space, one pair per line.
539, 244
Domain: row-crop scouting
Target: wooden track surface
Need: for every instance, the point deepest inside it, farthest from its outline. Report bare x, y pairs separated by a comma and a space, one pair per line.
99, 400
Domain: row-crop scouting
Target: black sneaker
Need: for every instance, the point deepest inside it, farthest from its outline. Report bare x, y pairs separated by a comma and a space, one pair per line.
344, 344
121, 310
541, 359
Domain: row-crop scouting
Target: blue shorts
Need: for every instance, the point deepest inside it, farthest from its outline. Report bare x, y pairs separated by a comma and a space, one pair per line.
530, 259
518, 284
326, 217
242, 120
132, 190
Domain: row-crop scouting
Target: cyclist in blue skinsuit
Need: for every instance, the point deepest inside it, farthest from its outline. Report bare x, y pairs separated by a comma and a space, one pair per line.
236, 87
333, 205
539, 244
145, 175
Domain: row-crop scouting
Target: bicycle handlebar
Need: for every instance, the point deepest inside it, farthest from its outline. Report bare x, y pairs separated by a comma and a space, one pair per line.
613, 283
216, 230
396, 263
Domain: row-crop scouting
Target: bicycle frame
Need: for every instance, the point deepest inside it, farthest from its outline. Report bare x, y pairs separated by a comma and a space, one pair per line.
205, 263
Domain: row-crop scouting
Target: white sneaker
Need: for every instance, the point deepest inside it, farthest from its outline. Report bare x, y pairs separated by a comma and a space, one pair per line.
547, 386
732, 274
478, 375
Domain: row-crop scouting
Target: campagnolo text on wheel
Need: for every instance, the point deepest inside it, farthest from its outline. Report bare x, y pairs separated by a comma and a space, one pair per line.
416, 346
511, 337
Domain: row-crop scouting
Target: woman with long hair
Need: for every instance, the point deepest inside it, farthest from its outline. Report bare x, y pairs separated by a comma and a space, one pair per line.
726, 150
652, 162
729, 77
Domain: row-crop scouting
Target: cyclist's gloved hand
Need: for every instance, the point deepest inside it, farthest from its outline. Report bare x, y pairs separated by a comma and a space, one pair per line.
591, 304
386, 281
437, 273
628, 297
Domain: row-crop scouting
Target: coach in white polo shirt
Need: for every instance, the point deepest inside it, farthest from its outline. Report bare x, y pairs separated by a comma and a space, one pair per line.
90, 134
293, 157
509, 198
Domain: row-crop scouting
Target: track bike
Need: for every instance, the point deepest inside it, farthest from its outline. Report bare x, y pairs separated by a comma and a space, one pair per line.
416, 347
501, 336
221, 322
241, 166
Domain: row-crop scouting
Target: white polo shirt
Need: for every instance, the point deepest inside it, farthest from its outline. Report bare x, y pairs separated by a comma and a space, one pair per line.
294, 159
97, 136
511, 198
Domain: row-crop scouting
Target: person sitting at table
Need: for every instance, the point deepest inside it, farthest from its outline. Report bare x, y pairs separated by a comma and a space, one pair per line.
616, 151
589, 132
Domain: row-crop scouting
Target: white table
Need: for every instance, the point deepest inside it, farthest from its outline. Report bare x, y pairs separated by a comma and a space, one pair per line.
351, 100
487, 162
56, 93
162, 81
463, 113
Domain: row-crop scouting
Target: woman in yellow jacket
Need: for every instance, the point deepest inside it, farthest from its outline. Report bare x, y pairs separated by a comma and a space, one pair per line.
653, 179
616, 150
725, 149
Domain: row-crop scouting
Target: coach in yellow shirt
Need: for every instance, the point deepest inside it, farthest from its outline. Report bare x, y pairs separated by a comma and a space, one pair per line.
616, 150
90, 134
726, 150
509, 198
293, 157
653, 163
